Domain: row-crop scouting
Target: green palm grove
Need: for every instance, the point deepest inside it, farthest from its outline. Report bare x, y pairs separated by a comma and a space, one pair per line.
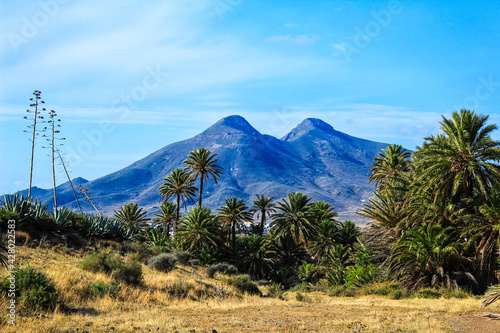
434, 219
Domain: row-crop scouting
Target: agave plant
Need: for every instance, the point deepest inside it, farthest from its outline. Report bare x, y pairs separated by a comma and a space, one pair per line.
62, 216
105, 227
17, 204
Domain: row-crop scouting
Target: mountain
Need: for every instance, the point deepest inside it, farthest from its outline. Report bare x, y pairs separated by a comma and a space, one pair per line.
313, 158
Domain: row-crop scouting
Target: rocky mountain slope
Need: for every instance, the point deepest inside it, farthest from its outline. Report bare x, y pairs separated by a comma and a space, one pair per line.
313, 158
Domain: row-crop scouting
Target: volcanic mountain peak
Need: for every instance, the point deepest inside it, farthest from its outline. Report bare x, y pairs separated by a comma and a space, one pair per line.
230, 124
308, 125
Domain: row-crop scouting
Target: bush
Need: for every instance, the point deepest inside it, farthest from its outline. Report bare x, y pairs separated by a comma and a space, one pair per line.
308, 273
106, 262
183, 257
428, 293
163, 262
223, 268
33, 290
101, 289
129, 273
5, 216
243, 284
275, 290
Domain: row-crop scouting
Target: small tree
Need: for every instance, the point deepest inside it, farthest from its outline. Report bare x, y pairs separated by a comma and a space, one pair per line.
132, 216
37, 119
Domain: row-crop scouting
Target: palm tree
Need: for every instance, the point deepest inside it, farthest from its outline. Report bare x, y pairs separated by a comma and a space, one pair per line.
255, 258
202, 163
180, 185
133, 216
325, 239
430, 256
389, 165
323, 211
264, 207
165, 217
234, 214
347, 234
199, 229
295, 220
462, 160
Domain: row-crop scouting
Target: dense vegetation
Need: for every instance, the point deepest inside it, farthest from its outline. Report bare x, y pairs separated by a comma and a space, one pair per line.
434, 224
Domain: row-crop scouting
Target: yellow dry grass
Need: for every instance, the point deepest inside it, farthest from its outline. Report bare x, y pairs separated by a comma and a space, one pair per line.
152, 308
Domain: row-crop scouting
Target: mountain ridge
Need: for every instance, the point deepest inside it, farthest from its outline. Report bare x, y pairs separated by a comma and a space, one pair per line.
313, 158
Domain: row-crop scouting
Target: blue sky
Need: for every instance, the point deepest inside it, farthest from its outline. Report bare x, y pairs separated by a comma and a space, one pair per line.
129, 77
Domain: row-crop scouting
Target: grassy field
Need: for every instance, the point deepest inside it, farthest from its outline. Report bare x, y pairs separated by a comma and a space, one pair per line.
208, 305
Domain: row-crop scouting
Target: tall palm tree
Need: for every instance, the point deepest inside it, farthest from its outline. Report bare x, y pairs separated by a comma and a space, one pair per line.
264, 207
234, 213
199, 229
166, 216
389, 165
180, 185
201, 163
295, 220
463, 159
133, 216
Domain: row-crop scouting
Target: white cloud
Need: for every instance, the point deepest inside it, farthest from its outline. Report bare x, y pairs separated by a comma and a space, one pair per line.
297, 40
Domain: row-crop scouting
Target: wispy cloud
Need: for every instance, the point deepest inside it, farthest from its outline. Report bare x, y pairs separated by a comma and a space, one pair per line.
299, 40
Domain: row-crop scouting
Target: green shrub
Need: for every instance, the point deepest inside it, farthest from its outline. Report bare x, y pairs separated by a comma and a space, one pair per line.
101, 289
208, 255
163, 262
183, 257
106, 262
129, 273
275, 290
455, 293
223, 268
360, 275
396, 294
243, 284
33, 290
428, 293
308, 273
5, 216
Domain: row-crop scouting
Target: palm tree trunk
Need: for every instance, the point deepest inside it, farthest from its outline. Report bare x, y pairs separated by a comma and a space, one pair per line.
177, 212
487, 256
201, 190
234, 241
262, 221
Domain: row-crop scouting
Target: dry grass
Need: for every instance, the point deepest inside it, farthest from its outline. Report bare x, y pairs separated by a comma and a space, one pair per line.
209, 305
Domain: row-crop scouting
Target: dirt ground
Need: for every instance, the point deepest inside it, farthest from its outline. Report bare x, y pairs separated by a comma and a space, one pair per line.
475, 324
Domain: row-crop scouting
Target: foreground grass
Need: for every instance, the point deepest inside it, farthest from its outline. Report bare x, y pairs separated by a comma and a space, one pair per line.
153, 308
